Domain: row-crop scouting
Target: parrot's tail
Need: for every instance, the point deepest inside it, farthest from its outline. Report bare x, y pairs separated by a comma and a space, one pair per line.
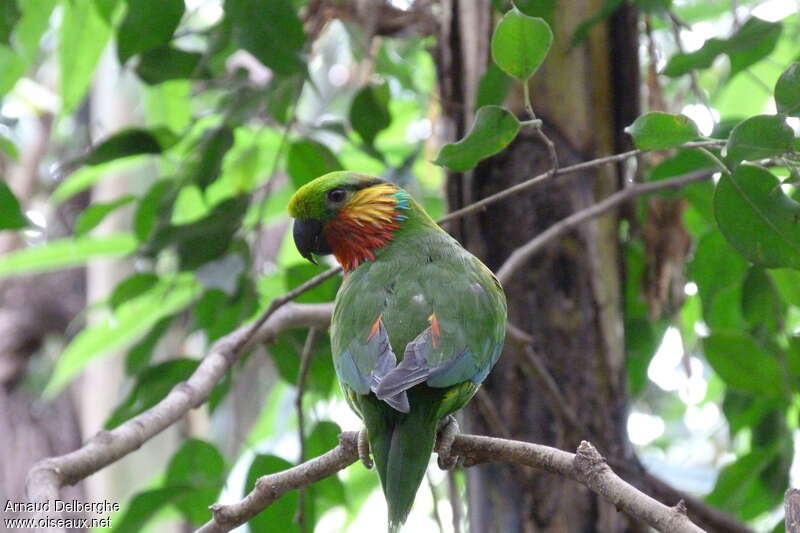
401, 452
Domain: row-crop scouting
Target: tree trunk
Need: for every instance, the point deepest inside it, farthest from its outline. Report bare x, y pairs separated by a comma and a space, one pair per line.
568, 298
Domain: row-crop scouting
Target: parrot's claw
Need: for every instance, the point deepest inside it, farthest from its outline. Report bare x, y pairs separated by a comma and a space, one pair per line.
363, 449
448, 430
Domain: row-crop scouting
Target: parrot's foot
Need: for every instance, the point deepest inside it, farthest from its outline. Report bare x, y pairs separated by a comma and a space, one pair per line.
363, 449
448, 430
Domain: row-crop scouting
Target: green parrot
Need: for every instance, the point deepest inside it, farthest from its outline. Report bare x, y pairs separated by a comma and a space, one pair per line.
417, 325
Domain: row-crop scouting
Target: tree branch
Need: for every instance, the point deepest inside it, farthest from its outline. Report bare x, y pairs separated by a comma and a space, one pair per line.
47, 477
480, 205
586, 466
792, 505
522, 254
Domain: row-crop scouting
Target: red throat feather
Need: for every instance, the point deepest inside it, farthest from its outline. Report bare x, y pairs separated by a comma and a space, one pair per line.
367, 222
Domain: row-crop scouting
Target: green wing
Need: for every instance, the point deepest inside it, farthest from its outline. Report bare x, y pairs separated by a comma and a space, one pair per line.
437, 317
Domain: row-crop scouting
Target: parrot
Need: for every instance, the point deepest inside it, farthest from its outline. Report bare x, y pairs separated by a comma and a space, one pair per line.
418, 321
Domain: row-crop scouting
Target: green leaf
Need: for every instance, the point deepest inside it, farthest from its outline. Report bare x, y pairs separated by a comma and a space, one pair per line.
788, 283
285, 353
751, 43
77, 54
758, 137
520, 43
204, 239
321, 439
298, 274
735, 480
309, 159
369, 112
93, 215
11, 216
271, 31
8, 147
283, 509
156, 205
537, 8
743, 410
147, 25
152, 385
725, 310
787, 91
761, 304
660, 131
199, 465
654, 6
127, 324
757, 218
493, 87
131, 287
683, 63
65, 253
12, 66
281, 93
742, 363
140, 354
715, 267
106, 8
219, 314
168, 63
755, 40
144, 506
85, 177
494, 128
9, 15
131, 141
204, 164
28, 32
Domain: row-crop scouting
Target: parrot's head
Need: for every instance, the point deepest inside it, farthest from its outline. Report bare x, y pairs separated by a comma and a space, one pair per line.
346, 214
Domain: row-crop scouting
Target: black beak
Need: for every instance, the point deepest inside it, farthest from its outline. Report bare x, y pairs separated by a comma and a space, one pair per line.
309, 239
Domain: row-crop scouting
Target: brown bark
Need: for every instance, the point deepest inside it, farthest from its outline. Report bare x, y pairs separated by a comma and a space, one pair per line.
568, 298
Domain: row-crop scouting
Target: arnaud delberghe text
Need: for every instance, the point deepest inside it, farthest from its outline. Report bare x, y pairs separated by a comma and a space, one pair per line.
102, 507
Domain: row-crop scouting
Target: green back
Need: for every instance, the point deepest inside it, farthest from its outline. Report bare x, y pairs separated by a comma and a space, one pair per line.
421, 272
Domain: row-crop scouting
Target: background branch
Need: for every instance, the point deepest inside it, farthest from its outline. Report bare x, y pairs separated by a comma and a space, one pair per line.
526, 251
47, 477
586, 466
792, 506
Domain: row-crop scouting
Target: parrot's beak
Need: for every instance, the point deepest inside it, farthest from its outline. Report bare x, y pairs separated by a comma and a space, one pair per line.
308, 238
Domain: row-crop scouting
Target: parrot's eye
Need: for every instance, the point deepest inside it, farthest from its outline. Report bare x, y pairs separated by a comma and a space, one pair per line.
337, 195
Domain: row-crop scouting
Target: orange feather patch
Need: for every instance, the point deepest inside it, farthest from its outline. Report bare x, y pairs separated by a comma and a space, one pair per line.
367, 222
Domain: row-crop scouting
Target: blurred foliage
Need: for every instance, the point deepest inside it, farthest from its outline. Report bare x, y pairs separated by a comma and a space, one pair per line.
239, 107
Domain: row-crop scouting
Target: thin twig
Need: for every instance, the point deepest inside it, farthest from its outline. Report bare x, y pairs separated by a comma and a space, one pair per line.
302, 376
586, 466
48, 476
537, 124
522, 254
716, 160
279, 302
533, 365
480, 205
